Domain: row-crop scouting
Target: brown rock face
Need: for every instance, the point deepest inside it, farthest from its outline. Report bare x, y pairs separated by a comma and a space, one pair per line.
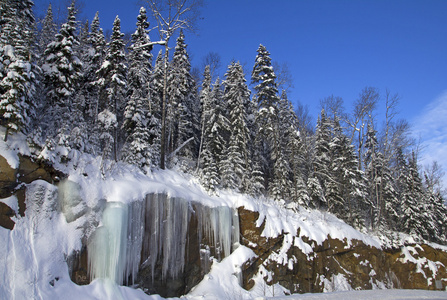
355, 263
180, 285
12, 180
8, 180
5, 216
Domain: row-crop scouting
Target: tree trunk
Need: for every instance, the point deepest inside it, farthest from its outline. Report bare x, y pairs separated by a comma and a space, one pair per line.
164, 107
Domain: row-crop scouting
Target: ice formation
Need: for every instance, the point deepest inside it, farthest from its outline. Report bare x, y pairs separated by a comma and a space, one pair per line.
158, 229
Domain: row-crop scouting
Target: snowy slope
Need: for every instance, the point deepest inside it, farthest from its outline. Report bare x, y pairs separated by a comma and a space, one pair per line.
33, 255
368, 295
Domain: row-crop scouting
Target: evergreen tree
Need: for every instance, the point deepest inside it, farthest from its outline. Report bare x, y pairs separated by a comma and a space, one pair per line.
216, 130
180, 114
352, 188
237, 160
436, 208
92, 61
321, 175
139, 73
47, 34
62, 70
266, 96
137, 114
286, 135
334, 180
411, 194
205, 102
156, 86
17, 72
373, 173
381, 191
112, 84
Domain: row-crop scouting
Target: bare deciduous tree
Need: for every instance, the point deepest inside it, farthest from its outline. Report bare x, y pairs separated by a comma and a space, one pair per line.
363, 114
213, 60
171, 15
334, 107
284, 79
391, 103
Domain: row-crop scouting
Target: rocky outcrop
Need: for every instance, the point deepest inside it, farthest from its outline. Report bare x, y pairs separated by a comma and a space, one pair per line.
304, 265
184, 228
194, 270
13, 182
339, 262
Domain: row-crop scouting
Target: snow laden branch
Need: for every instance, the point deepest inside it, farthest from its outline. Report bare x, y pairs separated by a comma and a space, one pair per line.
180, 147
150, 44
171, 15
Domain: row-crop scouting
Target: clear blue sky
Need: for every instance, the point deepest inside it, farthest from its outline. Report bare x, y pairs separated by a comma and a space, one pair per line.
331, 47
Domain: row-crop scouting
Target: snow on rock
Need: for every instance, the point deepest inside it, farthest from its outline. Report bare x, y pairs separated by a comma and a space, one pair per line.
10, 150
368, 295
105, 203
223, 281
12, 203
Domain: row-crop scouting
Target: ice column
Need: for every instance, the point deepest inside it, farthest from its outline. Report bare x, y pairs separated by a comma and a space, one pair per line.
135, 233
220, 226
114, 249
166, 222
107, 247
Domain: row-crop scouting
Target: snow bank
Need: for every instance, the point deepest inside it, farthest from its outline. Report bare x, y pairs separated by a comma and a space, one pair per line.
33, 254
369, 295
10, 150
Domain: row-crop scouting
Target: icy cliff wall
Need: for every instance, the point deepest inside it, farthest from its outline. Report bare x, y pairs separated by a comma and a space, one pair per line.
163, 244
164, 235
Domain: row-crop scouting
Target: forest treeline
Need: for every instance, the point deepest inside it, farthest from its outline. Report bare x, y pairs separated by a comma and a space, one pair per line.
70, 92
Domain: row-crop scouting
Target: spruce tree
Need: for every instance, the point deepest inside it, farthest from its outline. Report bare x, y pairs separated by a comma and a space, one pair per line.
286, 131
62, 71
410, 195
92, 61
205, 102
180, 115
353, 188
266, 96
112, 83
338, 168
156, 86
47, 34
137, 114
373, 173
321, 174
216, 131
237, 160
17, 72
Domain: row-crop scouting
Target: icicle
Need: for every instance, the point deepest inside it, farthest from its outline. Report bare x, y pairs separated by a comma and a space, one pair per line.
135, 233
166, 229
107, 247
167, 221
220, 226
236, 230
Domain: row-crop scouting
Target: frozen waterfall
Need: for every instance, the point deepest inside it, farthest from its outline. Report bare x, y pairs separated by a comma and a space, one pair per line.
155, 232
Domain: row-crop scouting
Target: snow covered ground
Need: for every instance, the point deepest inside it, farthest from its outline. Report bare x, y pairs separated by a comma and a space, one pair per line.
368, 295
33, 255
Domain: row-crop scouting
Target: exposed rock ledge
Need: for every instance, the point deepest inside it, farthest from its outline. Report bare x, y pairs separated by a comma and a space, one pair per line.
12, 183
353, 262
359, 265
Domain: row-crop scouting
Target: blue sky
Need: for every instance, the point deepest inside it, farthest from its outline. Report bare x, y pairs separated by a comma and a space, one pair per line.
331, 47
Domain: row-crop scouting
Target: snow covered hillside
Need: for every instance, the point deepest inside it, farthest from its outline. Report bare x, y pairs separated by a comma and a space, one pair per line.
154, 232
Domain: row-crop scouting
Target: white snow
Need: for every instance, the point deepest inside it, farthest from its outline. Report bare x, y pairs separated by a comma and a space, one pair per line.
369, 295
12, 203
16, 144
33, 255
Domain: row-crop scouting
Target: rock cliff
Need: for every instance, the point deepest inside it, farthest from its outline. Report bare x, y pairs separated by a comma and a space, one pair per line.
291, 259
336, 262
